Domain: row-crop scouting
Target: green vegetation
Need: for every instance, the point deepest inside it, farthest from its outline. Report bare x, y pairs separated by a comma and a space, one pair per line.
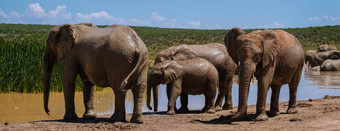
22, 48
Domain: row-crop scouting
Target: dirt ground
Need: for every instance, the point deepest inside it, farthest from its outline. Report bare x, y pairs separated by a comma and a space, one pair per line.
314, 114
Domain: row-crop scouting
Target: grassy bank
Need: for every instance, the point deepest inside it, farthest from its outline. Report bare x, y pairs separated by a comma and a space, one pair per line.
22, 48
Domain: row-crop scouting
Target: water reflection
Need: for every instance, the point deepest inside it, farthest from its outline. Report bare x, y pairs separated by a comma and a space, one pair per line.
18, 107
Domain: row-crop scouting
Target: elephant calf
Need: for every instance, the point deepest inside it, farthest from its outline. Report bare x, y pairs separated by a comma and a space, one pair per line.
193, 76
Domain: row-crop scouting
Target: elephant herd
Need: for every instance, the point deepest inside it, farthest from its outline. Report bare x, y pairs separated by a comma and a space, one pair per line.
326, 58
116, 57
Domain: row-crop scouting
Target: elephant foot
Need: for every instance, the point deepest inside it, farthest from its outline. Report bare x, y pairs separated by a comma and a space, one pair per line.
227, 107
183, 110
261, 117
292, 110
117, 118
218, 108
170, 113
136, 119
274, 112
89, 115
70, 116
211, 111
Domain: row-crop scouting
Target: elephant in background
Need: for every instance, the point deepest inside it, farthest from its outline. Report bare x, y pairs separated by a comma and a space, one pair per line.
114, 56
310, 57
274, 57
216, 54
316, 59
330, 65
326, 47
194, 76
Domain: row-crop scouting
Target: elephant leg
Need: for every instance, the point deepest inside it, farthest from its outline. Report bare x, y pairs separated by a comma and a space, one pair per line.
222, 90
228, 104
138, 93
69, 78
274, 102
88, 92
173, 91
184, 104
119, 114
292, 92
209, 100
263, 85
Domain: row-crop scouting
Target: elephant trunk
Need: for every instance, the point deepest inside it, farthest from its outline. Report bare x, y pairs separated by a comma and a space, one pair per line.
47, 70
246, 73
152, 84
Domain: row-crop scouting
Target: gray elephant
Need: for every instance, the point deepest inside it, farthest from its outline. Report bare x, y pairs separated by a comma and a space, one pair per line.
274, 57
215, 53
310, 57
330, 65
93, 53
316, 59
194, 76
326, 47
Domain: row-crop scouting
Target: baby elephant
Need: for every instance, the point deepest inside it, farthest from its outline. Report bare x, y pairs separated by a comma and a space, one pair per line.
194, 76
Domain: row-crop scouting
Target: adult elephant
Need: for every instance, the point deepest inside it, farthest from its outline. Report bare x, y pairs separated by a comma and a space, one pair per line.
94, 54
274, 57
330, 65
310, 57
326, 47
215, 53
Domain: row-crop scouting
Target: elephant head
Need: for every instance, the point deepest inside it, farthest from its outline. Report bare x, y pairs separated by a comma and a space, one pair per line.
162, 73
255, 50
59, 42
325, 47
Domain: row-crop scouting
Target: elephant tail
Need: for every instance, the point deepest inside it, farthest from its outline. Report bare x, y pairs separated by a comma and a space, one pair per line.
139, 63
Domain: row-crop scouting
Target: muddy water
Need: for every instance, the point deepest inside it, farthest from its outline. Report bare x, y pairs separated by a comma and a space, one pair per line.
18, 107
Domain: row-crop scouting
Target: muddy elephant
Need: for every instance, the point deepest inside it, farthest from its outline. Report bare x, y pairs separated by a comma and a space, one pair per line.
316, 59
309, 57
194, 76
274, 57
215, 53
330, 65
326, 47
114, 56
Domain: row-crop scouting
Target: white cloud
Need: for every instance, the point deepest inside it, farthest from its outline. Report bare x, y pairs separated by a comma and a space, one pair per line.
279, 25
194, 24
95, 15
35, 10
60, 11
14, 14
324, 18
3, 14
154, 15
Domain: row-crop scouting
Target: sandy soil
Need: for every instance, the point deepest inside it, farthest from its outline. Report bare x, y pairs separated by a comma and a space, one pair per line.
314, 114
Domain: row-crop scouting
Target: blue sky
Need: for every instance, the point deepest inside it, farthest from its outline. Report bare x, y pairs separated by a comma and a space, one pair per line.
197, 14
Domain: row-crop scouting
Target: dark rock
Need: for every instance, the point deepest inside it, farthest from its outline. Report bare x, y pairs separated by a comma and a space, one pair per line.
295, 119
326, 97
310, 100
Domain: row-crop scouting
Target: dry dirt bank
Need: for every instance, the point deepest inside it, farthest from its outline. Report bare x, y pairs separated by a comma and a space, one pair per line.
314, 114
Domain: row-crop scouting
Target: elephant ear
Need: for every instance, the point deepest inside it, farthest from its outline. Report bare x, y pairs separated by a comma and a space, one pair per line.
271, 45
65, 40
171, 72
184, 54
231, 42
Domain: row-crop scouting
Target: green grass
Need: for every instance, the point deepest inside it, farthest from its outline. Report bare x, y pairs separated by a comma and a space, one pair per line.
22, 48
